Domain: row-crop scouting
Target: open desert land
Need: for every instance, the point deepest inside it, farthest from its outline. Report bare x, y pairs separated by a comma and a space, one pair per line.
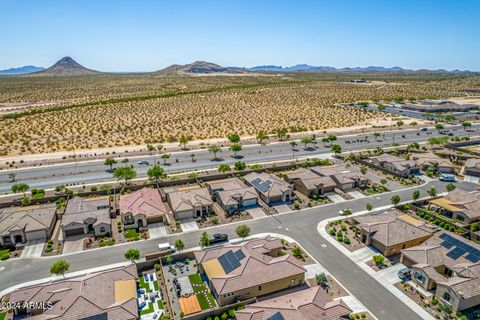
109, 110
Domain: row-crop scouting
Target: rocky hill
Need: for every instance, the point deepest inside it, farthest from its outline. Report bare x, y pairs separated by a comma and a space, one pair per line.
66, 67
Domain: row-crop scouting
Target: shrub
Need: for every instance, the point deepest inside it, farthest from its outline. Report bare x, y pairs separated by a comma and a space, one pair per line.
346, 240
378, 259
333, 232
5, 256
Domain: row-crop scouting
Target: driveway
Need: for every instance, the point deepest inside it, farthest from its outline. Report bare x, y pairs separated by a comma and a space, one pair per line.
335, 198
472, 179
256, 213
356, 194
188, 225
157, 230
74, 244
33, 249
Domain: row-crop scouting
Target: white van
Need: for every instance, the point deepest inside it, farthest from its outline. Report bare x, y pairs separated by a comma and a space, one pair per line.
166, 247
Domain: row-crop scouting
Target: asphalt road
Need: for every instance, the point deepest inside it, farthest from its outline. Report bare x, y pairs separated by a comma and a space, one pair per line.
95, 171
299, 225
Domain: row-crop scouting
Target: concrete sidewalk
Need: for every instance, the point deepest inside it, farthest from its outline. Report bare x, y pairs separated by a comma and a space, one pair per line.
384, 278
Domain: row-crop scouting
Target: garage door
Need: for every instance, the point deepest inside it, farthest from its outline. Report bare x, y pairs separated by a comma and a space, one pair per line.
73, 232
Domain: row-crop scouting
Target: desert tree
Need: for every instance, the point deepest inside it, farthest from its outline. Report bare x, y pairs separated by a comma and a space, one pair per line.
110, 162
124, 173
60, 267
214, 149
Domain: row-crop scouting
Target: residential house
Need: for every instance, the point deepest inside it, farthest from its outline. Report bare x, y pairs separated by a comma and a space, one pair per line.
460, 205
309, 183
142, 207
450, 264
270, 188
308, 304
396, 165
110, 294
472, 167
233, 195
429, 160
21, 224
190, 202
249, 269
391, 230
345, 178
84, 215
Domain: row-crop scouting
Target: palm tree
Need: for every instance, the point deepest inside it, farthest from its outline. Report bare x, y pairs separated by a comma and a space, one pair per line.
214, 149
110, 162
125, 161
293, 144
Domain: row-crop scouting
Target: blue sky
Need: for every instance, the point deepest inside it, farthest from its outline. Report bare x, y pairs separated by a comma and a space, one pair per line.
140, 35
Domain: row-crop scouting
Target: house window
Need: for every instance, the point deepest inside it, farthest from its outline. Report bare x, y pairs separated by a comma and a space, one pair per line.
259, 288
447, 272
446, 296
102, 229
420, 277
460, 217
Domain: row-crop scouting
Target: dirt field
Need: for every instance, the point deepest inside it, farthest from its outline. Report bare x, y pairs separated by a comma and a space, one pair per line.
108, 111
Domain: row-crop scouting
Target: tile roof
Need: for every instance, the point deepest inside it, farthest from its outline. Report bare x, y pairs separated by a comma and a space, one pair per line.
397, 162
188, 199
145, 201
309, 179
29, 218
466, 202
256, 268
390, 228
309, 304
274, 185
83, 296
225, 185
472, 163
229, 197
340, 173
79, 209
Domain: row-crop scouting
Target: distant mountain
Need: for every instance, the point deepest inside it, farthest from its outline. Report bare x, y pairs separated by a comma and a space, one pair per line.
306, 67
199, 67
66, 67
20, 70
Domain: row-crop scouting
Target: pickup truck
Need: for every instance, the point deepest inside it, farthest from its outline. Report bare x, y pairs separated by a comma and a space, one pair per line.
218, 237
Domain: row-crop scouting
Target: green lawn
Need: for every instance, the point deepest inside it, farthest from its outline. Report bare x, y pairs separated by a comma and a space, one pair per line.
131, 233
197, 283
3, 315
371, 191
160, 304
148, 310
202, 300
3, 252
143, 284
155, 285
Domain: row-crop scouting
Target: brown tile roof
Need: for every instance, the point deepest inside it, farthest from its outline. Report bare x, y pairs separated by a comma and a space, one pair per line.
256, 268
29, 218
80, 209
472, 163
82, 297
229, 197
225, 185
466, 202
145, 201
188, 199
340, 173
309, 179
309, 304
390, 228
276, 186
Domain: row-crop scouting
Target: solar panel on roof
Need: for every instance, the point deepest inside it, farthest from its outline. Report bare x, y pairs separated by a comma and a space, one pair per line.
473, 257
227, 267
447, 244
276, 316
444, 236
232, 259
239, 254
453, 255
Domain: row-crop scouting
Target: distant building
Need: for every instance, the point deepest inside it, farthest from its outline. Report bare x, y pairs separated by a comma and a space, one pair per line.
451, 265
270, 188
142, 207
391, 230
344, 178
309, 183
233, 195
427, 160
84, 215
460, 205
309, 304
21, 224
249, 269
438, 106
190, 203
472, 167
110, 294
396, 165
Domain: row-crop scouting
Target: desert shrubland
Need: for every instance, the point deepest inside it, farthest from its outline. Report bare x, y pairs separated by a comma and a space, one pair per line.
140, 109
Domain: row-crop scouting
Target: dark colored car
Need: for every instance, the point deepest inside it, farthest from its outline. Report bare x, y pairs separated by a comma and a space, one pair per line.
405, 274
218, 237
